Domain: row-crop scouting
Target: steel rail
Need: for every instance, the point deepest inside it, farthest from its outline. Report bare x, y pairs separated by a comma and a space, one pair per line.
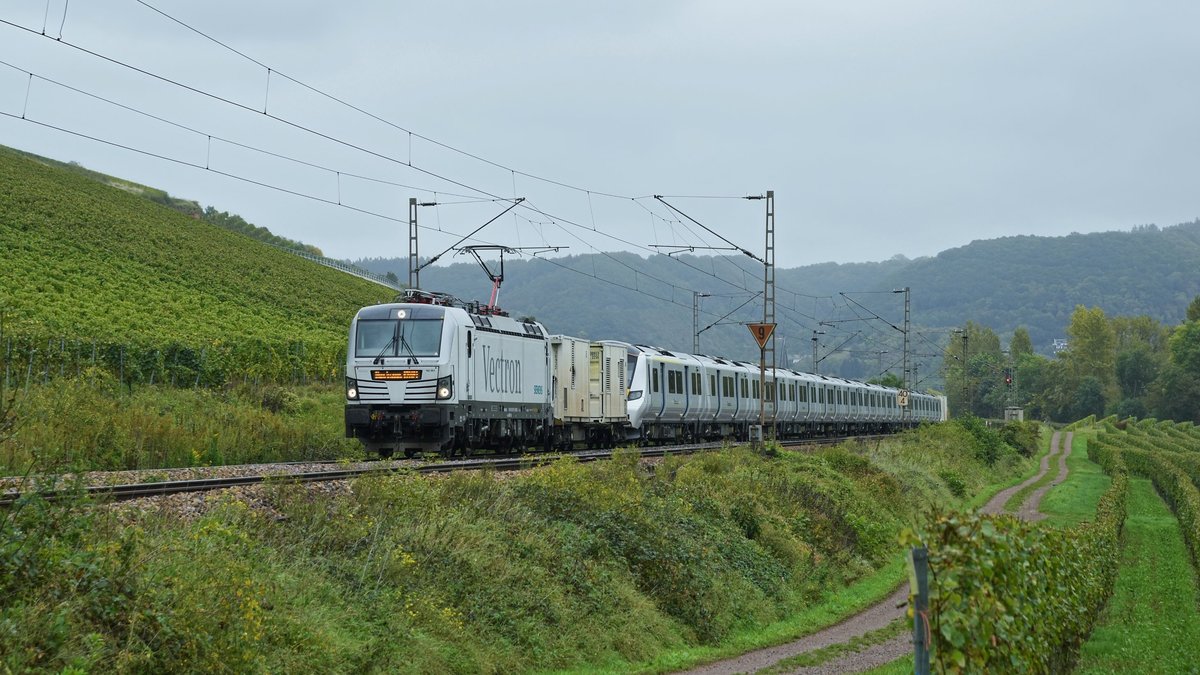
161, 488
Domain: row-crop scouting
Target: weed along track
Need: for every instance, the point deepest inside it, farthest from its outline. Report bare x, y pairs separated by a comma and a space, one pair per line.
145, 483
883, 614
650, 560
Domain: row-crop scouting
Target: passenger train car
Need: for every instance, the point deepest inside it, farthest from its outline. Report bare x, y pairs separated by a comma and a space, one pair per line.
429, 374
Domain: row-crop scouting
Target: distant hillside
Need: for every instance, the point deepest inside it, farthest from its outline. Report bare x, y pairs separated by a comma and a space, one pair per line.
1037, 281
187, 207
88, 261
1006, 283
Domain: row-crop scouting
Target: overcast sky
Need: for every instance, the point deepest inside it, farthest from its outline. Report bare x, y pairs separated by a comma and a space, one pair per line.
883, 127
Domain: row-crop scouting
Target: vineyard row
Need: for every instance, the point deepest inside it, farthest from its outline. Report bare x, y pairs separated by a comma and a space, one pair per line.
27, 361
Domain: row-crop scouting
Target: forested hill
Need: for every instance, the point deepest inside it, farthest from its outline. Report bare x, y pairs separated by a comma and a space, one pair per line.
1004, 283
1038, 281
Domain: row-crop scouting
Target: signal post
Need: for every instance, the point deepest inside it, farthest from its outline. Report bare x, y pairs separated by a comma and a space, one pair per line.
762, 332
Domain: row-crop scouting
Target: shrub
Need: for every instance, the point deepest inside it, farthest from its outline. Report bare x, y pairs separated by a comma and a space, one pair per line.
1024, 436
1011, 596
989, 444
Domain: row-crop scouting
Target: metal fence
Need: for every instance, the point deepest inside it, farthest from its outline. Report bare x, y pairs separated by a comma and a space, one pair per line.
345, 267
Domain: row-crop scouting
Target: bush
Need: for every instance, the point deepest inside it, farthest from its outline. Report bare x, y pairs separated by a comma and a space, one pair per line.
1024, 436
989, 444
1010, 596
68, 583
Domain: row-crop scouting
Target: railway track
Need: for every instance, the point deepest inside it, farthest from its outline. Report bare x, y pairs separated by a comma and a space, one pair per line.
503, 463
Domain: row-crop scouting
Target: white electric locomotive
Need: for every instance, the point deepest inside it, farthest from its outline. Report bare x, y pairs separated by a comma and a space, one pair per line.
426, 377
430, 374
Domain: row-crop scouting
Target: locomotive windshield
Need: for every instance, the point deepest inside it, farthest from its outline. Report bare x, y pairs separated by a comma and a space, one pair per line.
398, 337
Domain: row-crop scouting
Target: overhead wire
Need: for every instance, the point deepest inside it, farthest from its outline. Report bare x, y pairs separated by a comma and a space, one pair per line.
372, 115
272, 70
336, 140
409, 164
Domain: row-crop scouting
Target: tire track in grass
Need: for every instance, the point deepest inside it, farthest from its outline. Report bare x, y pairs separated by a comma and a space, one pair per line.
877, 616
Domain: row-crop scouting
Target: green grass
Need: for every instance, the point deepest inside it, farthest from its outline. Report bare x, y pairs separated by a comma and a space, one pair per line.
1014, 502
1074, 500
827, 654
1152, 622
92, 423
901, 666
834, 606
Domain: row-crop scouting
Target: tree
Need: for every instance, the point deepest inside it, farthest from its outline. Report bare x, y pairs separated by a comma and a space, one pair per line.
1092, 351
971, 368
1020, 344
1193, 310
1089, 399
1143, 329
1185, 347
888, 380
1136, 368
1176, 395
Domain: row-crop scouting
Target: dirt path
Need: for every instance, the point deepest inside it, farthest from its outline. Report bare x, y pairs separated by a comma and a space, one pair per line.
890, 609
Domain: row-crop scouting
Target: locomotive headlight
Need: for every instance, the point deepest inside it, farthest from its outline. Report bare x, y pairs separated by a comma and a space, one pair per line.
634, 395
351, 389
445, 387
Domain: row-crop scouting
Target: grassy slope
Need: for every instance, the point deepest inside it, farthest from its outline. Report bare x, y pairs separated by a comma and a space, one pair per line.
934, 458
1151, 623
85, 260
594, 567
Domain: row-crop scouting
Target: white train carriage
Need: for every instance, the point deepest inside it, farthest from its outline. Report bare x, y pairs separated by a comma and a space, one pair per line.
432, 378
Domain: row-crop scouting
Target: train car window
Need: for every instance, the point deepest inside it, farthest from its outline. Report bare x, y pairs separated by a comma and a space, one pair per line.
654, 381
745, 390
756, 394
697, 383
712, 385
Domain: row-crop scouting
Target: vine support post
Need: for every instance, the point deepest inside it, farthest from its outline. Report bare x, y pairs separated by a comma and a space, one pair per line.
921, 628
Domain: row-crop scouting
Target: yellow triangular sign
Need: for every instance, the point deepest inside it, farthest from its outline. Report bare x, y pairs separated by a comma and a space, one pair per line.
761, 332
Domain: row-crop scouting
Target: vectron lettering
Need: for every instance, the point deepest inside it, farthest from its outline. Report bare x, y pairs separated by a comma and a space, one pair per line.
500, 375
